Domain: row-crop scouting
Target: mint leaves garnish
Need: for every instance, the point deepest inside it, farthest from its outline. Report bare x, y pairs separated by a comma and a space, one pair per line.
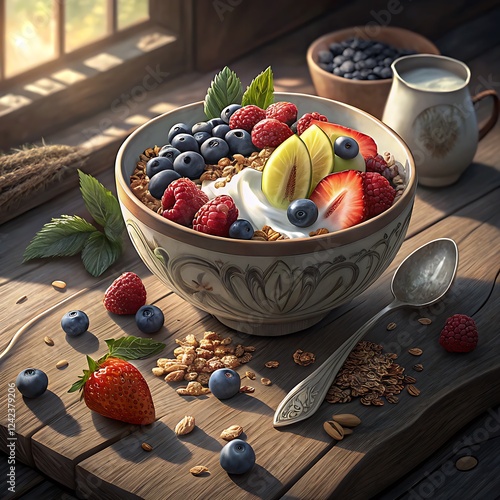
224, 90
70, 234
126, 348
260, 91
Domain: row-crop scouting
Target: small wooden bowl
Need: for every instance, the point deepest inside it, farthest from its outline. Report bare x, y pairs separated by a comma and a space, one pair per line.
368, 95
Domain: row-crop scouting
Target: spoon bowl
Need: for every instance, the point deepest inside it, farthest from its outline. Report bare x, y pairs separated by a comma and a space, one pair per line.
420, 280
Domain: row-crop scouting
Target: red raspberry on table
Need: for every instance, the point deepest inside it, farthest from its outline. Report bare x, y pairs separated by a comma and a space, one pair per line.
181, 200
305, 121
246, 117
283, 111
126, 295
459, 334
379, 194
216, 216
376, 164
270, 133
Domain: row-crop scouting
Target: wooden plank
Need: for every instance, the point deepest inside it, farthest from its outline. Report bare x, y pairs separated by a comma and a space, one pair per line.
24, 479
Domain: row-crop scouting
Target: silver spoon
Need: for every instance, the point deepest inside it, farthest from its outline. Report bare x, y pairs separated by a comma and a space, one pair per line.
420, 280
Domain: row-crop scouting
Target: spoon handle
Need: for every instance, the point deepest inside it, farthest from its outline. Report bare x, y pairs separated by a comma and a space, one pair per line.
306, 397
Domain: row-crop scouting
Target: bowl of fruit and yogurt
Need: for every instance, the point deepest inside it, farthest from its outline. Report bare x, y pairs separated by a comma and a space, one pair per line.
271, 229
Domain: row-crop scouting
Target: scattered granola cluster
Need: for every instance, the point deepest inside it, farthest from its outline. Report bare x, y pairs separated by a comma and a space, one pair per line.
370, 374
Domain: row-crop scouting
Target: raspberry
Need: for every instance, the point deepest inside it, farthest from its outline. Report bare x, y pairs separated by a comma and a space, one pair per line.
126, 295
181, 200
379, 194
246, 117
270, 133
216, 216
305, 121
283, 111
459, 334
376, 164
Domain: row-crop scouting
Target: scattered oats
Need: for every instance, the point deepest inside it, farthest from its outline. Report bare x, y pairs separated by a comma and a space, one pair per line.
158, 371
415, 351
425, 321
193, 389
303, 358
185, 426
391, 326
272, 364
177, 376
466, 463
391, 398
146, 447
247, 389
62, 364
21, 299
409, 379
418, 367
334, 430
265, 381
48, 340
319, 232
346, 419
60, 285
232, 432
250, 375
197, 470
412, 390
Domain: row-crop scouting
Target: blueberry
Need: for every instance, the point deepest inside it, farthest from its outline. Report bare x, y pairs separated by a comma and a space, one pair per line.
190, 164
359, 56
325, 56
224, 383
220, 130
327, 67
337, 71
75, 323
160, 182
237, 457
32, 382
370, 63
336, 48
216, 121
178, 128
201, 137
201, 127
346, 147
386, 73
149, 319
338, 60
169, 152
185, 142
228, 111
347, 67
240, 141
349, 52
214, 149
158, 164
302, 212
241, 229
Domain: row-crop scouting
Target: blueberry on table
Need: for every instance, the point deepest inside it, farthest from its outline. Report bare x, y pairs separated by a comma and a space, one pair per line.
75, 323
178, 128
158, 164
214, 149
346, 147
161, 181
149, 319
185, 142
32, 382
241, 229
224, 383
226, 113
189, 164
169, 152
302, 212
237, 457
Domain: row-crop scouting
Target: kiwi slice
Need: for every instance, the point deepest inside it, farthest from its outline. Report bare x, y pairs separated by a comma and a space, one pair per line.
321, 152
287, 173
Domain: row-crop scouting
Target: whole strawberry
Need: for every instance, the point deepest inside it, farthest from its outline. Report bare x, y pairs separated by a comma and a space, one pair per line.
283, 111
115, 388
459, 334
216, 216
125, 295
246, 117
305, 120
181, 200
270, 133
379, 194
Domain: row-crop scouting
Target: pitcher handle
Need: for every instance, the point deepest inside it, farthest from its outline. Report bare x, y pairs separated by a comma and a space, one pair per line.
492, 120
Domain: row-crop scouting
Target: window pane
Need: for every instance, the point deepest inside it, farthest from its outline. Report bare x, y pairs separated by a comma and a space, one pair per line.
86, 22
131, 12
30, 34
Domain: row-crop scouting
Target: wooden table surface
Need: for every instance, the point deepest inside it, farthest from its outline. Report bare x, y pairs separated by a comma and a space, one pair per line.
406, 450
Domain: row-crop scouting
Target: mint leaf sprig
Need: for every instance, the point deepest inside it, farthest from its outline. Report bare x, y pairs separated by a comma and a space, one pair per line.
70, 234
224, 90
261, 91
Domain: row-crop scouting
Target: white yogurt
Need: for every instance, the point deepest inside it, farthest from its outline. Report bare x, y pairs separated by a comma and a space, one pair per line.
433, 79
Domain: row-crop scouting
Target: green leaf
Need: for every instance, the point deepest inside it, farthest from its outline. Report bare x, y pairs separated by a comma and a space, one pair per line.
61, 237
102, 205
99, 253
133, 347
261, 91
225, 89
79, 384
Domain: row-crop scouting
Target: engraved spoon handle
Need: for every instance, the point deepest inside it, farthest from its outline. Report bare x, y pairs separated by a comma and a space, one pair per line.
306, 397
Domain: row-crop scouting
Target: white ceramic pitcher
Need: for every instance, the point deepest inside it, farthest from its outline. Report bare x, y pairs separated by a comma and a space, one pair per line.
430, 107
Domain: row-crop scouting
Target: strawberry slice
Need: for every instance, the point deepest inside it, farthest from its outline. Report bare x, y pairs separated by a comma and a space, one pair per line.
340, 200
367, 146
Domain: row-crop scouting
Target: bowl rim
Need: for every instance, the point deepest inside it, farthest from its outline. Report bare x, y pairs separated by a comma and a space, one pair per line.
291, 246
322, 40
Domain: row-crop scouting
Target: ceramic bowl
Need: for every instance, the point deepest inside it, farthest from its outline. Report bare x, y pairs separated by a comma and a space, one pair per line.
368, 95
261, 287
